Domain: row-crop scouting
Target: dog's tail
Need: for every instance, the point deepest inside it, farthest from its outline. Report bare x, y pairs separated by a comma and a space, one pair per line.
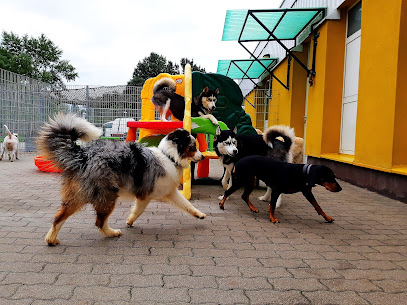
283, 131
164, 82
8, 130
57, 139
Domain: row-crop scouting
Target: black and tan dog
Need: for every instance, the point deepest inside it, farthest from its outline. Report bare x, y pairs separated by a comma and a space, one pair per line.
282, 178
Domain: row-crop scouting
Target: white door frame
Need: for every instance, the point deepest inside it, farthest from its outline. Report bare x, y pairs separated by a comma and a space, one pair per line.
348, 132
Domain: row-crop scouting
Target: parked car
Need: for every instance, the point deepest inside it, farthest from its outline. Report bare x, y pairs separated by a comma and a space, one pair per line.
107, 129
116, 128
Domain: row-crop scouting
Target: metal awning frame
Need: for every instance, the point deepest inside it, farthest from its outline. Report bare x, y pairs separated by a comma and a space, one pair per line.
268, 70
310, 72
251, 79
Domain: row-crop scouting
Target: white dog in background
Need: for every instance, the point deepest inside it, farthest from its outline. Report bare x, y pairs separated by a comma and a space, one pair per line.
10, 146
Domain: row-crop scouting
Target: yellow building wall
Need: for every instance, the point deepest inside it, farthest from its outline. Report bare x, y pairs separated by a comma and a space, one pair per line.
284, 109
381, 124
400, 138
382, 88
292, 102
249, 109
325, 96
298, 87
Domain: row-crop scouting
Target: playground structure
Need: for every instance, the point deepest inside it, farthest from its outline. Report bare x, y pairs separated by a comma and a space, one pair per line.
228, 111
46, 165
151, 131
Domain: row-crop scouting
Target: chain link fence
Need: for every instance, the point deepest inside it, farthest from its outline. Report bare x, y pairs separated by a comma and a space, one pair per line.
25, 104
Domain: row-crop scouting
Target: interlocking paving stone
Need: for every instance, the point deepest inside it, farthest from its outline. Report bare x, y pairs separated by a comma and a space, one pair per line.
382, 298
231, 257
187, 281
219, 296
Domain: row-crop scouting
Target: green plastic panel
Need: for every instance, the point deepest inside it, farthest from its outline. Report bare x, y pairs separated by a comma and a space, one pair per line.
245, 68
255, 25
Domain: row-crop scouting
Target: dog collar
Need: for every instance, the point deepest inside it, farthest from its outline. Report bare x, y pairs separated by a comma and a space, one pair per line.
205, 110
227, 159
305, 172
172, 159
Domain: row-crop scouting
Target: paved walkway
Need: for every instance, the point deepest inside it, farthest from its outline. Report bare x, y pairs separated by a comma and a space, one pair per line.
231, 257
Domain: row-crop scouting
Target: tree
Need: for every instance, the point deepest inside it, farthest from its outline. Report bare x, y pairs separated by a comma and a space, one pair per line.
155, 64
152, 66
194, 67
38, 58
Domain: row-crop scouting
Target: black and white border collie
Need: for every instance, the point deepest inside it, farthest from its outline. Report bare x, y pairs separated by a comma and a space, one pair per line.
167, 102
102, 170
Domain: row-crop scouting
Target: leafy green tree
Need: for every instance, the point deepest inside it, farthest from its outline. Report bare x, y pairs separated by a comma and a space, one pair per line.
152, 66
38, 58
155, 64
194, 67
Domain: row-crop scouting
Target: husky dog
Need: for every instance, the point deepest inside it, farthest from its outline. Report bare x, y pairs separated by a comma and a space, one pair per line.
167, 102
10, 146
100, 171
230, 147
204, 104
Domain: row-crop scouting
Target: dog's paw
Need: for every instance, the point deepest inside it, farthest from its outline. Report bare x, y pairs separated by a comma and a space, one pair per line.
264, 198
109, 232
116, 233
220, 197
130, 220
200, 215
255, 210
52, 242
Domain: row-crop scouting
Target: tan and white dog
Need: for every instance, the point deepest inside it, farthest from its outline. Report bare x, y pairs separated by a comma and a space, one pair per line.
10, 146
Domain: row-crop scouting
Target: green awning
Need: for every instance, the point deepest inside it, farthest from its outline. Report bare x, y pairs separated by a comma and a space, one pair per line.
245, 68
265, 25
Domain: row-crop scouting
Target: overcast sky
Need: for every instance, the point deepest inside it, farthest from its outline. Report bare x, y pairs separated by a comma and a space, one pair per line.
104, 40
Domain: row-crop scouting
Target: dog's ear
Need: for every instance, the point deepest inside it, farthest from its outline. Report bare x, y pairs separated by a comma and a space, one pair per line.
206, 89
217, 91
218, 131
235, 129
178, 134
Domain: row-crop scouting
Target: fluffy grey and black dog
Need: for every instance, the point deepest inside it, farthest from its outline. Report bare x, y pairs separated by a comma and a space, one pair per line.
167, 102
100, 171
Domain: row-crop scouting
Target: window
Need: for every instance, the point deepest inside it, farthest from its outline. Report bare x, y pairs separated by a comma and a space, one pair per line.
354, 19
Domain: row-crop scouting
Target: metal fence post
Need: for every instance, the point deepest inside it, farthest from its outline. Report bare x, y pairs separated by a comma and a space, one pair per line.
87, 103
